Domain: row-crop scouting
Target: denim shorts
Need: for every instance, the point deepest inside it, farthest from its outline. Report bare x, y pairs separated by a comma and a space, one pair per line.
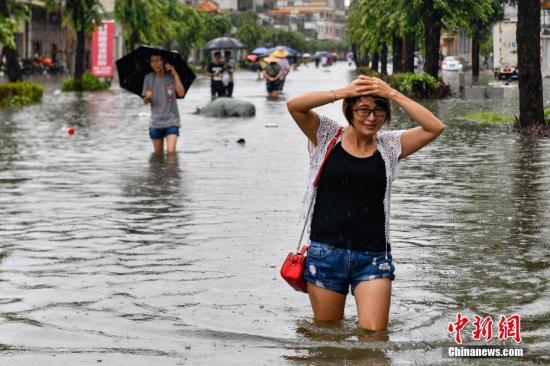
273, 85
337, 268
159, 133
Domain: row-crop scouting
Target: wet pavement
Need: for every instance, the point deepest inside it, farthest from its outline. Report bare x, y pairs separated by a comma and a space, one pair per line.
109, 255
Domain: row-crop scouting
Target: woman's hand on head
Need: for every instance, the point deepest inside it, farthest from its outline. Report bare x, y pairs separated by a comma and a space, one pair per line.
356, 88
376, 87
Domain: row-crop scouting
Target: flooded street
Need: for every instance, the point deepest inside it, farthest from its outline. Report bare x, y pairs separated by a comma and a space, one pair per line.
109, 255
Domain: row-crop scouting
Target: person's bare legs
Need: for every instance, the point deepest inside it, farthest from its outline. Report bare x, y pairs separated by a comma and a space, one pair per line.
171, 141
327, 305
373, 303
158, 146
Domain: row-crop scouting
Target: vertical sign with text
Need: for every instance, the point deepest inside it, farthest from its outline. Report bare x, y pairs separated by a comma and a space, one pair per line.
102, 49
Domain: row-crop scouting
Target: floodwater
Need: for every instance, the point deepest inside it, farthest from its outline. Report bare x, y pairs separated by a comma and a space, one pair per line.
109, 255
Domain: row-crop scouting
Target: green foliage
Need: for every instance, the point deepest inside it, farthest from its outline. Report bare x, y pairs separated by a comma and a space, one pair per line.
251, 35
419, 85
372, 23
330, 45
291, 39
88, 83
217, 25
488, 117
241, 18
81, 15
139, 20
189, 26
364, 70
20, 94
16, 12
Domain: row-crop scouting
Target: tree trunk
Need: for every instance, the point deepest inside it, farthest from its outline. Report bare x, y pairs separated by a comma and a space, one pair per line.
13, 70
408, 54
397, 45
531, 109
79, 60
366, 58
134, 40
359, 61
375, 61
384, 59
432, 34
475, 54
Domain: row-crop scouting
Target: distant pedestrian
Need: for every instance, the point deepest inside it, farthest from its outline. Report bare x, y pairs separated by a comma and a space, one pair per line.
227, 75
281, 58
159, 89
349, 56
273, 74
215, 70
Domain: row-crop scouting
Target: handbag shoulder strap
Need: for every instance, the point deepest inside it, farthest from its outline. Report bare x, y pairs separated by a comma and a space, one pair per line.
316, 182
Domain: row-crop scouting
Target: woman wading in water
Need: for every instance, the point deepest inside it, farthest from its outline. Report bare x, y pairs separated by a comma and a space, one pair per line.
349, 206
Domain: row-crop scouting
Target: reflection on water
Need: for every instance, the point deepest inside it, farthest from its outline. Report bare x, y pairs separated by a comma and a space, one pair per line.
8, 144
110, 253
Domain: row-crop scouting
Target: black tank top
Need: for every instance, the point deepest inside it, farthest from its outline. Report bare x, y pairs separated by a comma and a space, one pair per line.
349, 208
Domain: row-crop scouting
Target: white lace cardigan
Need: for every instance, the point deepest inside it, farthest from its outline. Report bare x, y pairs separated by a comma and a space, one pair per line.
387, 142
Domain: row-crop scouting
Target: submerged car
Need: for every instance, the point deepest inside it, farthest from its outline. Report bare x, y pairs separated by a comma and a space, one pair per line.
453, 63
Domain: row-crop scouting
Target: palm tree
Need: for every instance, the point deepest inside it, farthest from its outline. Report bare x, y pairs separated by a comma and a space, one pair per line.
83, 16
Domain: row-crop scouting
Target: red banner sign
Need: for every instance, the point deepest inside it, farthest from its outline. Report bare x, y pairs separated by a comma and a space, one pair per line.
103, 40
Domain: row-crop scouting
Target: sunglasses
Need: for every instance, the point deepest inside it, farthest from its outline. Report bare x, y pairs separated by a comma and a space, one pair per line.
365, 112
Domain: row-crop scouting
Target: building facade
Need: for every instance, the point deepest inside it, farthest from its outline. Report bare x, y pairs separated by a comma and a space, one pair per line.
317, 19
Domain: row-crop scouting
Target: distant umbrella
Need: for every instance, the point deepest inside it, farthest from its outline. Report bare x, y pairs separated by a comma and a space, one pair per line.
261, 51
286, 48
225, 43
133, 67
252, 58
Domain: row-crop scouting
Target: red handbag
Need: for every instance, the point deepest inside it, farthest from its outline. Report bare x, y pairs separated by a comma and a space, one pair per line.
294, 266
293, 270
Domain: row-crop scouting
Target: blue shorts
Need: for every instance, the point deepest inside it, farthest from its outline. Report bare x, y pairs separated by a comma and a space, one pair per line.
337, 268
273, 85
159, 133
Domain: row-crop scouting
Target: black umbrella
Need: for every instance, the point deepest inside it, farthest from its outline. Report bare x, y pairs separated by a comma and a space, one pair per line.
225, 43
133, 67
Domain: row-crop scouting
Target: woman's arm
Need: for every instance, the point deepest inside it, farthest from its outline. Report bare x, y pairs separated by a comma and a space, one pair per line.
412, 139
300, 107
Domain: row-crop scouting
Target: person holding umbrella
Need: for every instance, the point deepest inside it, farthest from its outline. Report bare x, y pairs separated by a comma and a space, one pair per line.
160, 88
215, 70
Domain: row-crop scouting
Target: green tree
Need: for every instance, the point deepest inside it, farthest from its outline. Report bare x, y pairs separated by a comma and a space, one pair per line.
248, 30
480, 31
139, 20
240, 18
451, 14
215, 25
188, 26
251, 35
276, 37
11, 13
83, 16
